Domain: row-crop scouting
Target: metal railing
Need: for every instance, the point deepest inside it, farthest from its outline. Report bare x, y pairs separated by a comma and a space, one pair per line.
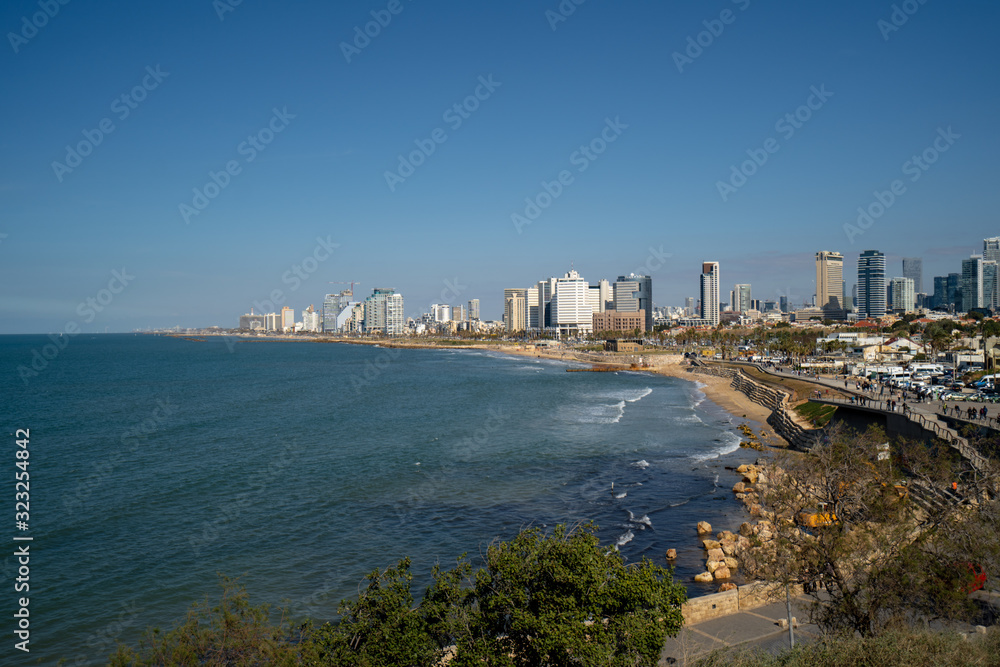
950, 436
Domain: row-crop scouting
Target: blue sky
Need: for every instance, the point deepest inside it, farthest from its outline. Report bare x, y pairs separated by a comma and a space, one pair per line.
445, 232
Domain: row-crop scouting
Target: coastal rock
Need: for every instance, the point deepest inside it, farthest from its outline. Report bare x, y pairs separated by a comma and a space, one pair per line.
765, 535
714, 565
704, 577
710, 544
726, 535
741, 496
739, 487
750, 477
730, 548
746, 529
722, 573
704, 528
728, 586
716, 554
731, 562
755, 510
671, 554
743, 468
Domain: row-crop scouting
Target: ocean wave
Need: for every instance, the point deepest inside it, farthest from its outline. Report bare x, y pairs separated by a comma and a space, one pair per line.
642, 522
728, 444
641, 464
637, 394
625, 539
621, 495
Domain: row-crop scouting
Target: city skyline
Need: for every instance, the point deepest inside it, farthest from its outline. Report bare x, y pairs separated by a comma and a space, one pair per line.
189, 173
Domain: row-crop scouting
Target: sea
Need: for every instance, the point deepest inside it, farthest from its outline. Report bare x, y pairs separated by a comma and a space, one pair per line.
158, 464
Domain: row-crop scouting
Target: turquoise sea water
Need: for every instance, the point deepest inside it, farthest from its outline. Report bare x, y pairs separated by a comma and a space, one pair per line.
158, 462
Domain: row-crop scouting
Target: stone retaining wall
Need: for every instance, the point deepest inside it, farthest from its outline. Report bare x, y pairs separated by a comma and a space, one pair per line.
743, 598
773, 399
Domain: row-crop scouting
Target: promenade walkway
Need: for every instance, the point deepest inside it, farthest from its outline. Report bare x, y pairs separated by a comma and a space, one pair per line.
757, 627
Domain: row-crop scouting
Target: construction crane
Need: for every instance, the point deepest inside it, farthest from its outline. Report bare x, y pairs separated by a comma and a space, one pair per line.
344, 282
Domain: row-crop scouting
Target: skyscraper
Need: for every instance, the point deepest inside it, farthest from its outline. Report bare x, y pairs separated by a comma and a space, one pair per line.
991, 249
940, 298
990, 285
972, 283
515, 309
383, 312
955, 291
633, 293
830, 284
689, 306
571, 311
710, 292
741, 298
871, 284
473, 309
902, 295
913, 268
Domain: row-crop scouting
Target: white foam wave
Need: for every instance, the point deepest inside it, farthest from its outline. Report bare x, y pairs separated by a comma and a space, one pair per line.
642, 522
637, 394
728, 444
641, 464
621, 495
625, 539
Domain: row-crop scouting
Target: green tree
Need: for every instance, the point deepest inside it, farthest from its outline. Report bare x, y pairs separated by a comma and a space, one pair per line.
562, 599
381, 627
232, 632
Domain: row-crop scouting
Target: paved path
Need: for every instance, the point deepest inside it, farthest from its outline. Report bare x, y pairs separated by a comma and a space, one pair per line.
756, 627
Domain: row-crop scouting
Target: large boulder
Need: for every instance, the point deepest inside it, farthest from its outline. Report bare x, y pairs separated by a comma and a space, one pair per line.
728, 586
746, 529
704, 528
704, 577
750, 477
671, 554
716, 554
743, 468
730, 548
726, 535
739, 487
714, 565
731, 562
711, 544
722, 573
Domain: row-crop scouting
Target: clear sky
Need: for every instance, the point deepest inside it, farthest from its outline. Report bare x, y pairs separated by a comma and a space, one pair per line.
204, 82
